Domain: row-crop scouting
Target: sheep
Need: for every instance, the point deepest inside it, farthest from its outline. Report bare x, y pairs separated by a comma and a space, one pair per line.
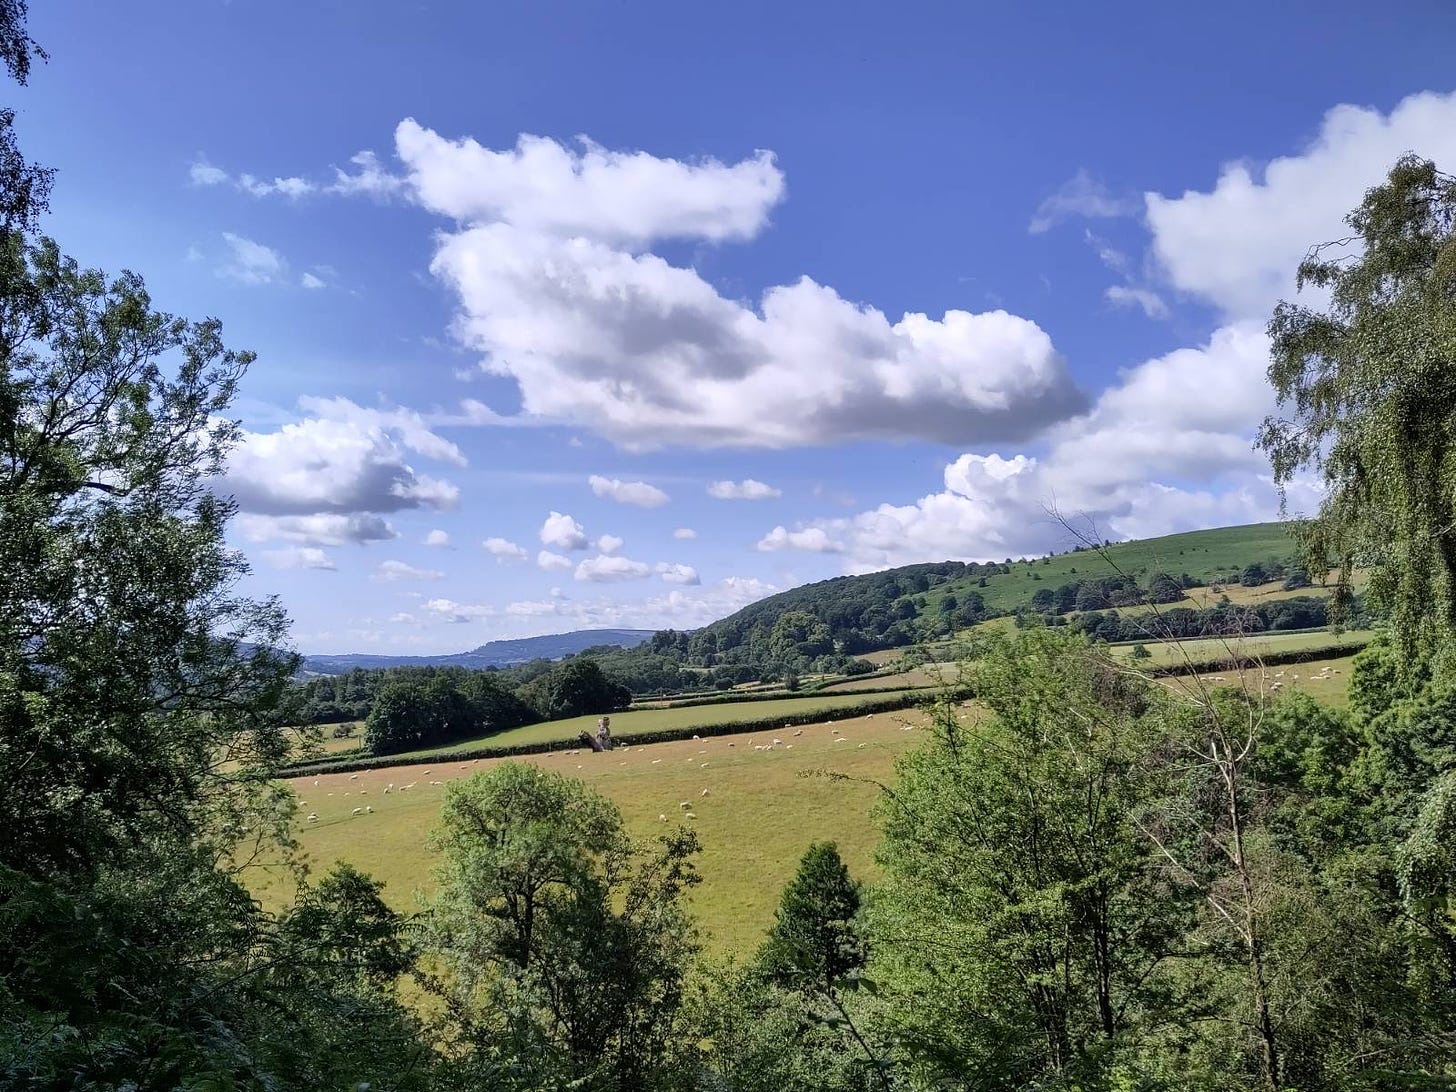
777, 742
685, 805
690, 815
312, 818
733, 745
661, 818
703, 793
357, 811
655, 761
800, 732
702, 765
353, 777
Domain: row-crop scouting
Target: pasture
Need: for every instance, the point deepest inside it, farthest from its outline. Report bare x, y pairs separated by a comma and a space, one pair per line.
1204, 649
1324, 679
762, 810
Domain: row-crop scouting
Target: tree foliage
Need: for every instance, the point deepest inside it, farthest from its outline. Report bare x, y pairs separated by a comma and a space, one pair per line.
1366, 401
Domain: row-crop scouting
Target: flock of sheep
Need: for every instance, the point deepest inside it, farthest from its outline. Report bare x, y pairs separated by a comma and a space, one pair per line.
685, 806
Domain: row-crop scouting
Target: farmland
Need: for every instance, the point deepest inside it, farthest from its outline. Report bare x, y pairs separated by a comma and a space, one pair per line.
761, 812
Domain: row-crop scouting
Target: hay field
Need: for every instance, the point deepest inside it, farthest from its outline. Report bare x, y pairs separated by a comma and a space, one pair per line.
760, 814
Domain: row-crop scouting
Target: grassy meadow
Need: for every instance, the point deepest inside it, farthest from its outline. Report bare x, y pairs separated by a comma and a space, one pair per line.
761, 812
766, 802
1202, 554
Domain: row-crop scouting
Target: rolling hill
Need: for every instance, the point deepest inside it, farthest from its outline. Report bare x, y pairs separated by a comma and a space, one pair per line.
491, 654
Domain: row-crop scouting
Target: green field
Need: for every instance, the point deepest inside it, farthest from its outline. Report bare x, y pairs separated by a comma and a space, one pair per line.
760, 814
1201, 554
651, 720
1325, 680
1204, 649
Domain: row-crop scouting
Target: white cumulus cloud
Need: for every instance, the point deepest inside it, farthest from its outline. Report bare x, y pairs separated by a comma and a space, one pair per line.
1238, 245
609, 544
814, 539
747, 489
563, 532
504, 550
675, 573
559, 290
437, 538
321, 529
1168, 448
605, 568
344, 459
550, 562
684, 533
641, 494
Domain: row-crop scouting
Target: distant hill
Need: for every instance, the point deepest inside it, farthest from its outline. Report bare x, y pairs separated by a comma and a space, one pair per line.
821, 626
491, 654
895, 607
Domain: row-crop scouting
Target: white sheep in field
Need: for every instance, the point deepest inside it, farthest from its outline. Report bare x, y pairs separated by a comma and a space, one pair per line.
800, 732
353, 777
702, 765
662, 818
733, 745
312, 818
655, 761
777, 742
703, 793
690, 815
684, 804
368, 811
357, 811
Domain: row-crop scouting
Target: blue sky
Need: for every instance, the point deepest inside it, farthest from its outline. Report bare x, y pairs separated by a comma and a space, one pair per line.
546, 275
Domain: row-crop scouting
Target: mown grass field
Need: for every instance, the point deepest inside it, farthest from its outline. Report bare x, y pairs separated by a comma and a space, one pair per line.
652, 720
1208, 648
760, 814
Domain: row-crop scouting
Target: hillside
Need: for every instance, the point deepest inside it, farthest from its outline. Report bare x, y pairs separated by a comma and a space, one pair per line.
1203, 555
895, 607
505, 653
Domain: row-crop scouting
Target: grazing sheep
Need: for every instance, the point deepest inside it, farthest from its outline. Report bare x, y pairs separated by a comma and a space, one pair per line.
776, 743
702, 765
800, 732
368, 811
662, 818
312, 818
703, 793
733, 745
655, 761
685, 805
357, 811
690, 815
353, 777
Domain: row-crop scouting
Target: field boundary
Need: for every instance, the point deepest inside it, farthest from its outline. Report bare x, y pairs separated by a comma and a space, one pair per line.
1270, 659
901, 699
